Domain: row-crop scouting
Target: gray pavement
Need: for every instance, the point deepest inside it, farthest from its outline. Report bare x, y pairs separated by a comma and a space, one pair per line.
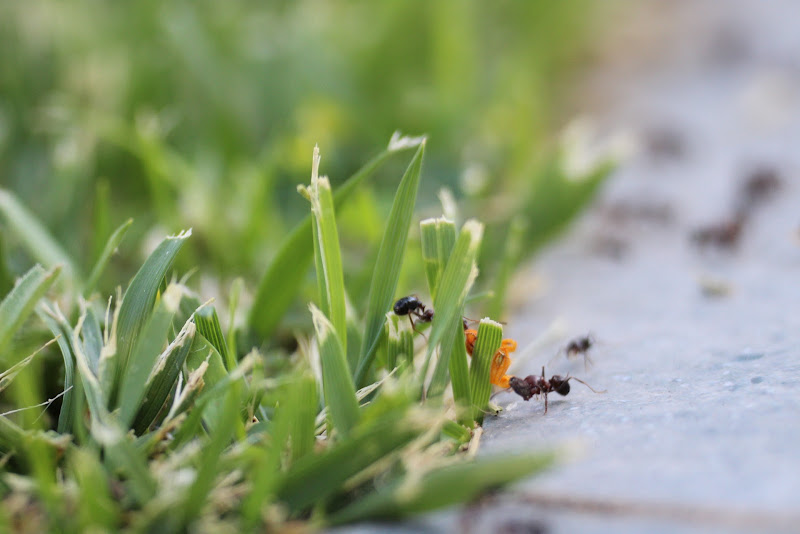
697, 347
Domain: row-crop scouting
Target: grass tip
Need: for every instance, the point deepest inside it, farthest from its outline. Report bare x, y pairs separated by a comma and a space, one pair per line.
183, 234
400, 141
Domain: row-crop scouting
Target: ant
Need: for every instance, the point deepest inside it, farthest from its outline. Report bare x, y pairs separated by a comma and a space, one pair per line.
412, 307
538, 385
724, 234
578, 346
501, 360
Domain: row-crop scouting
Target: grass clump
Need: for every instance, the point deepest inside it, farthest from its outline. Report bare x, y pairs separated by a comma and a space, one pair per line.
163, 423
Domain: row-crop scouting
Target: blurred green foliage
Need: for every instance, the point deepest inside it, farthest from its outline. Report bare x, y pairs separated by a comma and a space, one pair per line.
203, 114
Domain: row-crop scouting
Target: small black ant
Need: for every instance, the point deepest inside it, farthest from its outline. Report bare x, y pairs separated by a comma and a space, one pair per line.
579, 346
412, 307
724, 234
533, 385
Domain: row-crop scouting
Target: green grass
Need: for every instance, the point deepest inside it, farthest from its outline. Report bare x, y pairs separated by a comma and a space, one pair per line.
163, 425
248, 373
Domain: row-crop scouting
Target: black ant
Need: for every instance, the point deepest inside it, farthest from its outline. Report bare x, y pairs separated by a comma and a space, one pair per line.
412, 307
724, 234
538, 385
580, 346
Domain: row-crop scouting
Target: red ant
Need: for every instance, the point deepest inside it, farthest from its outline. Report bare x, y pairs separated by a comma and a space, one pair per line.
538, 385
412, 307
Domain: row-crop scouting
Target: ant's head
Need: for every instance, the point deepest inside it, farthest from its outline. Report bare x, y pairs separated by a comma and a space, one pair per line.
560, 385
427, 316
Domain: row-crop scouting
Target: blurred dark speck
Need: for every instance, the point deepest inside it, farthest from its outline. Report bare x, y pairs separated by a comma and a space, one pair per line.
530, 526
664, 143
749, 357
757, 379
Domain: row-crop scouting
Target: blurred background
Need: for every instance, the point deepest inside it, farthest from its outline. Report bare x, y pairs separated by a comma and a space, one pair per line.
203, 114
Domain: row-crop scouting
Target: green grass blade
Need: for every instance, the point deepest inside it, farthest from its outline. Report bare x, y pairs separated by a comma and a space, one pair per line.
317, 477
102, 261
92, 336
137, 305
337, 382
123, 456
389, 261
146, 353
237, 288
62, 333
555, 199
208, 325
208, 468
97, 510
302, 404
438, 240
456, 281
8, 375
203, 350
330, 275
438, 236
287, 271
35, 237
510, 259
162, 379
452, 484
19, 303
490, 334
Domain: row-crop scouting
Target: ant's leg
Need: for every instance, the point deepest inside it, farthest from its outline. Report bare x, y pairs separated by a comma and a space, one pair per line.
414, 326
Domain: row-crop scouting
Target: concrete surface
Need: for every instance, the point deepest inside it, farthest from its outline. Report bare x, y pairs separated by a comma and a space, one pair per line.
697, 347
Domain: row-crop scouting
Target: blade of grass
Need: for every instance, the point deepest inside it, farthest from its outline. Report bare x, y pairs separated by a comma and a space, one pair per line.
8, 375
337, 383
145, 353
67, 414
101, 217
438, 236
207, 322
96, 509
162, 379
280, 284
203, 351
328, 259
452, 484
555, 199
19, 303
302, 404
510, 259
137, 305
92, 337
317, 477
388, 263
456, 281
35, 237
490, 334
438, 240
102, 260
208, 467
237, 288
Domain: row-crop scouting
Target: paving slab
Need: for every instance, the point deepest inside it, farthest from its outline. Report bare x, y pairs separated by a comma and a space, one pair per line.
697, 339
